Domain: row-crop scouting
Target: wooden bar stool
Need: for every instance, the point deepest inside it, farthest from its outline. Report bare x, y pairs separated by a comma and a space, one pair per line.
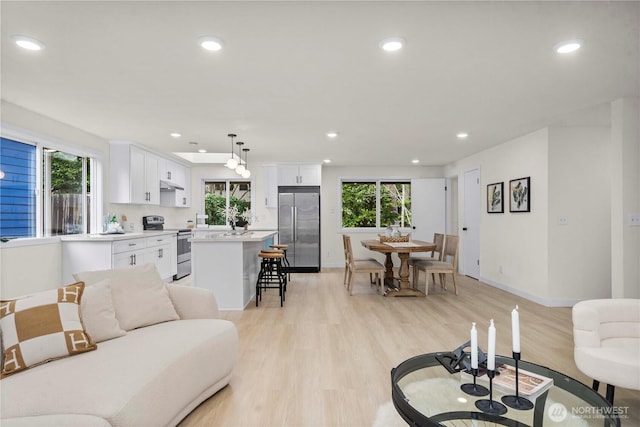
287, 266
271, 275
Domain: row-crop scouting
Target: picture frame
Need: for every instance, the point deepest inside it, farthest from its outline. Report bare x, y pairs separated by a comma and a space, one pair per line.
520, 195
495, 197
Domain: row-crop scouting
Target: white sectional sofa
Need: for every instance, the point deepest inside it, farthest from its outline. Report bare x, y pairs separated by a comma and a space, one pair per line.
151, 375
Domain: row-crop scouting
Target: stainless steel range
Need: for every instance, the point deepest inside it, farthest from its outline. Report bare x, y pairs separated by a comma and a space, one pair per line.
156, 222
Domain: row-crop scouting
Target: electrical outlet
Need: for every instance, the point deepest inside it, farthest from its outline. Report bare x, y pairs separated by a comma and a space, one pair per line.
634, 220
563, 220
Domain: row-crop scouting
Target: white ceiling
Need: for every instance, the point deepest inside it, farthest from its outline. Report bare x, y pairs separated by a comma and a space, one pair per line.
292, 71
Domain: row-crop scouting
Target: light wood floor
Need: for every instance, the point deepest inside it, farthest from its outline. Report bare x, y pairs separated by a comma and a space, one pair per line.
325, 358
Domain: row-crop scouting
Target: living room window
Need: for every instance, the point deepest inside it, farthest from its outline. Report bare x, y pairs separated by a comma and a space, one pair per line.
220, 195
45, 191
375, 204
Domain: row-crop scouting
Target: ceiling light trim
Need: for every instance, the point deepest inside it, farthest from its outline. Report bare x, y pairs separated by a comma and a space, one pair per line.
392, 44
568, 46
211, 43
28, 43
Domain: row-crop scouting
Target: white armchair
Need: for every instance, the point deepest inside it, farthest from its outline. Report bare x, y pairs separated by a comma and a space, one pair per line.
606, 336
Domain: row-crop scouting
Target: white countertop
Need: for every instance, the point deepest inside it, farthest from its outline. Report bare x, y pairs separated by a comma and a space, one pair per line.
226, 236
113, 237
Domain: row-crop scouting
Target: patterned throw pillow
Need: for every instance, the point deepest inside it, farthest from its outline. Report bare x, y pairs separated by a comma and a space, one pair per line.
42, 327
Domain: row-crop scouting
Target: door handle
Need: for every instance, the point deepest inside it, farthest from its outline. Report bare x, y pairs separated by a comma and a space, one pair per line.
464, 228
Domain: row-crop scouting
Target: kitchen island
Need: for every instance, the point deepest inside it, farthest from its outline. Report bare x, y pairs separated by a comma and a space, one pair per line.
227, 264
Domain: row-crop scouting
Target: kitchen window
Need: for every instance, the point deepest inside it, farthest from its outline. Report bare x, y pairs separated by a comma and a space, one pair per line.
45, 190
375, 204
220, 195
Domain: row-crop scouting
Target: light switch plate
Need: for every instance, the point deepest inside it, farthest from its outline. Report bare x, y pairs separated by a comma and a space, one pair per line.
634, 220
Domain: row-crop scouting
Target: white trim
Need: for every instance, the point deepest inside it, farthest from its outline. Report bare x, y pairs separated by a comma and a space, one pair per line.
39, 140
29, 241
547, 302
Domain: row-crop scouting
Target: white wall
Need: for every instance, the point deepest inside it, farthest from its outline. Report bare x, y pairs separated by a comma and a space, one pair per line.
27, 269
330, 214
579, 265
625, 197
517, 242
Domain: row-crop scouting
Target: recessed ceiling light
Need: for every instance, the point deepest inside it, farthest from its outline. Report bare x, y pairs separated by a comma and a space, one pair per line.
327, 160
210, 43
415, 161
462, 135
568, 46
28, 43
392, 44
202, 150
175, 134
332, 135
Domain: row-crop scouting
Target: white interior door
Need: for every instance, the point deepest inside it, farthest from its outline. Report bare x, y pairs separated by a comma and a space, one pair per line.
428, 208
471, 224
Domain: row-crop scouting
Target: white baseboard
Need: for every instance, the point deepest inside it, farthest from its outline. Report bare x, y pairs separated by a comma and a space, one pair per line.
547, 302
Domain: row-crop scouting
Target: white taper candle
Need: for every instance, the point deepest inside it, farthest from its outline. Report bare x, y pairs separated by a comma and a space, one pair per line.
491, 352
474, 346
515, 330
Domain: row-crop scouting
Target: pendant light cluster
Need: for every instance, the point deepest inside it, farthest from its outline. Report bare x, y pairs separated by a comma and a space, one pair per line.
239, 166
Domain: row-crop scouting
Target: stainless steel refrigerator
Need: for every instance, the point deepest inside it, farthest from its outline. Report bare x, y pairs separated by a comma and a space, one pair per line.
299, 226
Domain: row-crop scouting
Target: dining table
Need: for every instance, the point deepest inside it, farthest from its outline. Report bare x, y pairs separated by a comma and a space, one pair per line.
404, 250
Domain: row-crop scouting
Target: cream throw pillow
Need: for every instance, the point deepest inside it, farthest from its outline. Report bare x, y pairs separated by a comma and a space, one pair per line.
98, 313
140, 297
42, 327
141, 301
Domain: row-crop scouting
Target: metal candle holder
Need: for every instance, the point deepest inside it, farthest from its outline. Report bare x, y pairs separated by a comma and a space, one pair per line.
490, 406
516, 401
474, 389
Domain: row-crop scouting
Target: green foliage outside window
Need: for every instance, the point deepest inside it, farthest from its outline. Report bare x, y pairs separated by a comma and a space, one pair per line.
359, 204
215, 200
66, 174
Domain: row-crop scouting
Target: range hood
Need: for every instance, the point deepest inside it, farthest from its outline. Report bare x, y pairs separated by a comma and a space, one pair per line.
169, 186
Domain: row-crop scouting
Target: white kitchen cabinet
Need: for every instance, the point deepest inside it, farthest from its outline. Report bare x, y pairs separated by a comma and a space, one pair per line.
178, 198
299, 175
106, 252
270, 186
162, 250
170, 171
133, 175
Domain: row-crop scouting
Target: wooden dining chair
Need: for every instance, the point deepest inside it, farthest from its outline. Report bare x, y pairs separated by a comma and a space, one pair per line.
448, 265
353, 266
436, 253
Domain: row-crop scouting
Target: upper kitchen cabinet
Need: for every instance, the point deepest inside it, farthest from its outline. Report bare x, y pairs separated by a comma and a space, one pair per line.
175, 192
270, 186
172, 172
134, 175
299, 174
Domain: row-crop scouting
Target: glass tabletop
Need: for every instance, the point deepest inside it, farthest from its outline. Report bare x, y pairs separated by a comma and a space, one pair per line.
425, 393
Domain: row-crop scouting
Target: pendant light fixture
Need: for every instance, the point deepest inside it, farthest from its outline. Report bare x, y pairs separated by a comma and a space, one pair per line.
240, 167
231, 163
247, 172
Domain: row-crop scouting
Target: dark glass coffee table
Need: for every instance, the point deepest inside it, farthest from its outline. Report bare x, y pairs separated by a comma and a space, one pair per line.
426, 394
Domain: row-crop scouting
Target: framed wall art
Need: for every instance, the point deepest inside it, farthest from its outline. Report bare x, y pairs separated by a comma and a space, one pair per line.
520, 195
495, 198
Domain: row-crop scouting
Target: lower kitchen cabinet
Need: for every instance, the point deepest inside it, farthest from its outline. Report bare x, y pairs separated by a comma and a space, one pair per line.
85, 253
